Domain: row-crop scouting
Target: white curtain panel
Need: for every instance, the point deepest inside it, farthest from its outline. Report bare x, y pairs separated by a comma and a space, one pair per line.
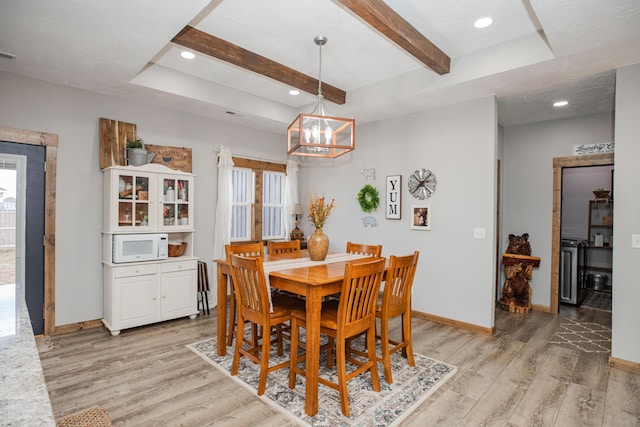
290, 194
222, 219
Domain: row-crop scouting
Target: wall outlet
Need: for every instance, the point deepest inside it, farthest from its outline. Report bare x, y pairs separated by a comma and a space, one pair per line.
635, 240
479, 233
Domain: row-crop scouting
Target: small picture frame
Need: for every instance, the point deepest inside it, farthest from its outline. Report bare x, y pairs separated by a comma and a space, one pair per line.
421, 217
393, 207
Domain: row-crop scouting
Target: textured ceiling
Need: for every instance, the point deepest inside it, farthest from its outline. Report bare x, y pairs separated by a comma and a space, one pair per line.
536, 52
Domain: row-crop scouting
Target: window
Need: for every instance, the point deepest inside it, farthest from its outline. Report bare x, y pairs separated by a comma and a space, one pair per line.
272, 205
242, 199
257, 211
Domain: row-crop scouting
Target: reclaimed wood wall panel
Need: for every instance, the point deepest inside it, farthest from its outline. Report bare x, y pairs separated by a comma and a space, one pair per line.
113, 140
176, 158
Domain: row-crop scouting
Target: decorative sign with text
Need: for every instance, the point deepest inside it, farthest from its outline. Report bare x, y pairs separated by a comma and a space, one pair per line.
394, 186
600, 148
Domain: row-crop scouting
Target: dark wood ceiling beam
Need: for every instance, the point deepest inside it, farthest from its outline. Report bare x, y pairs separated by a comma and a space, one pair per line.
215, 47
377, 14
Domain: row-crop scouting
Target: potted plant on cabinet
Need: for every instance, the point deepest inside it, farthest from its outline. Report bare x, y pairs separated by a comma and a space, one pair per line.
136, 154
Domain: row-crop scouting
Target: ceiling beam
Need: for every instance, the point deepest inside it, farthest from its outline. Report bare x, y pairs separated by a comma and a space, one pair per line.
381, 17
215, 47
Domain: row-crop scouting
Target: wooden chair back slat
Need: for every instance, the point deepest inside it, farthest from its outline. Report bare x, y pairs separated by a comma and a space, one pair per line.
290, 246
398, 283
369, 250
251, 288
245, 249
359, 293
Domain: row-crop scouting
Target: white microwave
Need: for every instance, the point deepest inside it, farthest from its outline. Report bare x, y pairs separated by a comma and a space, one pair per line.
140, 247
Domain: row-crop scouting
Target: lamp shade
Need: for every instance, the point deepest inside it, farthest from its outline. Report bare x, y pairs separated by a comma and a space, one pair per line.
320, 136
297, 209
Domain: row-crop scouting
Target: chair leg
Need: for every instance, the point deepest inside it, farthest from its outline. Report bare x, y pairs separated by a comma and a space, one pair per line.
386, 356
293, 353
279, 339
331, 346
342, 376
232, 318
264, 363
236, 353
406, 332
371, 346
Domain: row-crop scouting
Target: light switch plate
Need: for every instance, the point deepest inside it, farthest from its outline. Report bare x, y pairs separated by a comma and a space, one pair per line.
479, 233
635, 240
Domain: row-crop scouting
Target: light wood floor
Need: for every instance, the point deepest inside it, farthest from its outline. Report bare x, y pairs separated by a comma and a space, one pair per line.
146, 377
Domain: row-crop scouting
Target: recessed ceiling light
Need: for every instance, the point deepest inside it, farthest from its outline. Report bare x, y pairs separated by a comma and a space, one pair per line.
560, 103
187, 55
483, 22
294, 92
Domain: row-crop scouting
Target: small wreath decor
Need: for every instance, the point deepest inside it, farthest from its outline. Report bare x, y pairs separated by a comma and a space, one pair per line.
368, 198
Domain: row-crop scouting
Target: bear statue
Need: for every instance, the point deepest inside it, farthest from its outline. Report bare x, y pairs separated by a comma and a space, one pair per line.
519, 245
518, 265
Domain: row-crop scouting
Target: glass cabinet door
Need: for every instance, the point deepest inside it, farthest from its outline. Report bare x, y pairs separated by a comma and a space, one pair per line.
176, 200
134, 210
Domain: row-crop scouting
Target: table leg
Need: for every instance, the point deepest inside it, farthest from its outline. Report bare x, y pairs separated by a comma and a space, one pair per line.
313, 306
222, 312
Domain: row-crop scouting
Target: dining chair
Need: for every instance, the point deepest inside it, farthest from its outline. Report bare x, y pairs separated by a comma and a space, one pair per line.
252, 293
245, 249
358, 248
352, 315
283, 247
396, 301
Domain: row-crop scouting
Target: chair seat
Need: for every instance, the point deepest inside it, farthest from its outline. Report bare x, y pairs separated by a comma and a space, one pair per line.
328, 316
284, 305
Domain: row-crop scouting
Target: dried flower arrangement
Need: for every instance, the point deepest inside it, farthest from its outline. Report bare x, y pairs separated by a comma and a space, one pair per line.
319, 210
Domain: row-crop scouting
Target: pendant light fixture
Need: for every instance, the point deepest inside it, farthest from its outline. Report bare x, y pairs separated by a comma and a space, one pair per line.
320, 134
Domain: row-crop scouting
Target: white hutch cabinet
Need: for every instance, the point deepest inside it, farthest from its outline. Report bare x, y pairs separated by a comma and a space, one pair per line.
148, 199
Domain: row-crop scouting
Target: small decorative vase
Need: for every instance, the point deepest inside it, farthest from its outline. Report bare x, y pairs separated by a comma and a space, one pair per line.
318, 245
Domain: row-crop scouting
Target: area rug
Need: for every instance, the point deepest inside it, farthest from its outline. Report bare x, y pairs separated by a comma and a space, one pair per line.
90, 417
411, 386
598, 300
585, 336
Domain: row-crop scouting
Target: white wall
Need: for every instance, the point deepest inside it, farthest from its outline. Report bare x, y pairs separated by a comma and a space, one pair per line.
625, 344
455, 275
528, 183
74, 115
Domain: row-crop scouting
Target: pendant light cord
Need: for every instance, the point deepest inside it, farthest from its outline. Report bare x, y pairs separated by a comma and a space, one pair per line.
320, 71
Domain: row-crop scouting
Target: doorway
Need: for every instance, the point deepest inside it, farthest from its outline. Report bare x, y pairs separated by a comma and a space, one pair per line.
27, 206
558, 164
45, 144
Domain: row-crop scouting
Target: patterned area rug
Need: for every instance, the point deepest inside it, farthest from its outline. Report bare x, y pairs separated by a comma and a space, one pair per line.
598, 300
587, 337
411, 386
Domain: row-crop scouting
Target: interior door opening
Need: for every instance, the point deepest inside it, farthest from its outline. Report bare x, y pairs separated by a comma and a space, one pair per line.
11, 265
28, 161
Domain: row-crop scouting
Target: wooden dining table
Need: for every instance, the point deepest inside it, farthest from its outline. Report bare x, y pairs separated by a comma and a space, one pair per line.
313, 282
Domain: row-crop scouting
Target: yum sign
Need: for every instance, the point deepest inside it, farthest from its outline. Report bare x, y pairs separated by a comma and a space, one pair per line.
392, 208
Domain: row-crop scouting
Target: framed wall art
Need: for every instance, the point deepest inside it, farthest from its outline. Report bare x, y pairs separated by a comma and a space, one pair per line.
394, 195
421, 217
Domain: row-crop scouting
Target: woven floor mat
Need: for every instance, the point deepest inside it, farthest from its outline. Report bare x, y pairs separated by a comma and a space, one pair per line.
91, 417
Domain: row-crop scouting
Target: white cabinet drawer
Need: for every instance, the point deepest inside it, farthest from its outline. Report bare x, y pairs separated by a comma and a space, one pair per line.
135, 270
167, 267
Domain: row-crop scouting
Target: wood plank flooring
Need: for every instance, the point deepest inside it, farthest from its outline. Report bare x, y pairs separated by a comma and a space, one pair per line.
146, 377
